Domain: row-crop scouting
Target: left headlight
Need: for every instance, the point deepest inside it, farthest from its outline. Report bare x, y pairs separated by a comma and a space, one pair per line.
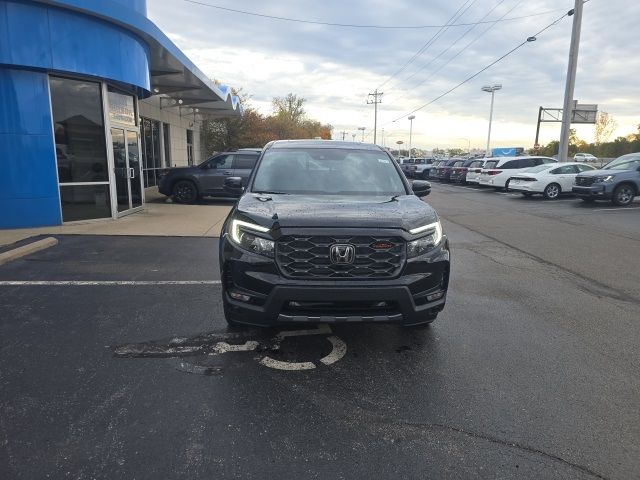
608, 178
243, 234
423, 244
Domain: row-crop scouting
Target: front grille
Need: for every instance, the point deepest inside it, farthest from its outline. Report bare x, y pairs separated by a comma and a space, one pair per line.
585, 181
308, 257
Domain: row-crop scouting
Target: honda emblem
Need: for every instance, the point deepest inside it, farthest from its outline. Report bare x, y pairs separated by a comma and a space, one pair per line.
342, 254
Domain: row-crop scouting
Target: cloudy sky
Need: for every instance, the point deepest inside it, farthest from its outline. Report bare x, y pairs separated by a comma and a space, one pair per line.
334, 68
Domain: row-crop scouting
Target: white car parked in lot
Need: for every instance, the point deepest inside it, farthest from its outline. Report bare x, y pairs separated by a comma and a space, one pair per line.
549, 180
475, 169
497, 171
585, 157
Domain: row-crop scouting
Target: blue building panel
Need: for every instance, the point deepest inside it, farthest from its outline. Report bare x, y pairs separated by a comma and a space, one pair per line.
28, 180
20, 25
40, 36
23, 98
98, 49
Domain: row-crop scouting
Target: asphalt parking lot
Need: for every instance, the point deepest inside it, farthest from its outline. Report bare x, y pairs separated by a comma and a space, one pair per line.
117, 362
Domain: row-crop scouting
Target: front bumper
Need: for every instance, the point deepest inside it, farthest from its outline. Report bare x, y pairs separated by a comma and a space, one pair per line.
593, 191
275, 299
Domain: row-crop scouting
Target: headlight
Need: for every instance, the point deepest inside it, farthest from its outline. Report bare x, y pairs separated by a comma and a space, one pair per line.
426, 243
240, 234
608, 178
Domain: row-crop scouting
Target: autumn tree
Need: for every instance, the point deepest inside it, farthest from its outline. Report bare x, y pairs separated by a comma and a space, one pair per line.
604, 127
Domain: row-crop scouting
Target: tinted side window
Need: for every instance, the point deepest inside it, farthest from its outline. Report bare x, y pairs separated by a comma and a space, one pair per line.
530, 162
565, 170
221, 162
245, 161
584, 168
510, 164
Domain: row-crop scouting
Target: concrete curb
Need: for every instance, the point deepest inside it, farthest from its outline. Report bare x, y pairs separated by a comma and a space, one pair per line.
27, 249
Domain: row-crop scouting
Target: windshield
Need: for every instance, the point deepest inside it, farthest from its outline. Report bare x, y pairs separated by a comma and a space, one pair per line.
626, 162
328, 171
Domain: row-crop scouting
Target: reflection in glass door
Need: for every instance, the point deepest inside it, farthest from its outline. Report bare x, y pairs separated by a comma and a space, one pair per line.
133, 157
126, 157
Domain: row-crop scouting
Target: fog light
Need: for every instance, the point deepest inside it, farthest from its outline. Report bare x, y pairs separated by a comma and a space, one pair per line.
435, 296
239, 296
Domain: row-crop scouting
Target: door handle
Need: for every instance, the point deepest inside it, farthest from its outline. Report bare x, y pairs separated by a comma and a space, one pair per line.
132, 173
227, 172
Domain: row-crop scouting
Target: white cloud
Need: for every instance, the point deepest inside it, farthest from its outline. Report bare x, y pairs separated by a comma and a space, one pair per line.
335, 68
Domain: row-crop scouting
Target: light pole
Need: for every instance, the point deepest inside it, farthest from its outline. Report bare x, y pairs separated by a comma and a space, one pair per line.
362, 129
411, 117
492, 90
383, 145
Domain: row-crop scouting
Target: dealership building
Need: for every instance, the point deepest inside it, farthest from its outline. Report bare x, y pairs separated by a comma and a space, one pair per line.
94, 101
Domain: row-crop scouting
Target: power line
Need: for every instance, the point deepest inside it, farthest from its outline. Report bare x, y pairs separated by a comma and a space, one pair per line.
432, 40
517, 47
353, 25
458, 53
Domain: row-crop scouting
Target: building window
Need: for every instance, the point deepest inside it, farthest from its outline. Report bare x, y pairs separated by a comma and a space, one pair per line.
166, 133
190, 147
151, 161
81, 151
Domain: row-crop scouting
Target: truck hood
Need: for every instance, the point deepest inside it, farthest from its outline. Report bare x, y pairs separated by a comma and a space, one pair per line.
403, 212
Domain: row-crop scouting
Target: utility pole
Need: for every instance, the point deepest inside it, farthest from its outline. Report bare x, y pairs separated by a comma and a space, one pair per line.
567, 109
362, 129
411, 117
375, 102
343, 134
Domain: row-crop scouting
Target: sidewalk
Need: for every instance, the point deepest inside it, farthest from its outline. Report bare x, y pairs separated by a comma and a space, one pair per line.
158, 218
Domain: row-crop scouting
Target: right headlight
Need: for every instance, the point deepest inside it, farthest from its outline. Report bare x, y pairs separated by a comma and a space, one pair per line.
423, 244
243, 234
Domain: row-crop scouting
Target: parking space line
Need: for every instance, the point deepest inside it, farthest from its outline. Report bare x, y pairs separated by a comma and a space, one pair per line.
619, 209
105, 282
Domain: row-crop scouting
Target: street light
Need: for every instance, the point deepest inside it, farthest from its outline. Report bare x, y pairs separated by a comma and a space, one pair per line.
492, 90
362, 129
411, 117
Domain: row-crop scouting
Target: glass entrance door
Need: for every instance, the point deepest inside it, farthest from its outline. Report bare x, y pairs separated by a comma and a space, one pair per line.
126, 157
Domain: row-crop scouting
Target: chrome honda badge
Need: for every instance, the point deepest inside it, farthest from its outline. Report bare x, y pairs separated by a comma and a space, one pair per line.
342, 254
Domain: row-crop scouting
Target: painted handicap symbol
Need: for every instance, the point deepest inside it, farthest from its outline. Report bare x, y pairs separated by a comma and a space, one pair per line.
214, 344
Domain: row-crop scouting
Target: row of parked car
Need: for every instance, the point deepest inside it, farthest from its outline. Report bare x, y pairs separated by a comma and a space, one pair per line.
617, 181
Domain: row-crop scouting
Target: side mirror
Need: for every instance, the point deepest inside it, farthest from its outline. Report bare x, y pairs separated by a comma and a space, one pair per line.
421, 188
233, 185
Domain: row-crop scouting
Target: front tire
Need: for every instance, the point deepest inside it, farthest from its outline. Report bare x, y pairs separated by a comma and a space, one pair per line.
185, 191
552, 191
623, 195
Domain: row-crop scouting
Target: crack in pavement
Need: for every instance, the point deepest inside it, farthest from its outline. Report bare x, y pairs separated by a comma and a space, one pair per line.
606, 290
358, 417
496, 440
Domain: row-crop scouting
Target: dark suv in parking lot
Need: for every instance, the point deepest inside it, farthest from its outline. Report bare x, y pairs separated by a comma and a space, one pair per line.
618, 181
331, 231
187, 184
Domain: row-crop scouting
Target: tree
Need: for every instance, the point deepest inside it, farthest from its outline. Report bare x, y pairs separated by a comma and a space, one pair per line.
604, 127
289, 107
